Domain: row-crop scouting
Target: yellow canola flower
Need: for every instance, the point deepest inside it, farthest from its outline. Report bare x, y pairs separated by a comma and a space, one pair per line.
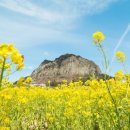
86, 114
119, 75
120, 56
17, 58
10, 48
6, 96
4, 53
22, 100
7, 66
98, 37
6, 50
9, 51
79, 104
68, 112
20, 66
7, 121
9, 56
24, 81
28, 80
21, 81
4, 128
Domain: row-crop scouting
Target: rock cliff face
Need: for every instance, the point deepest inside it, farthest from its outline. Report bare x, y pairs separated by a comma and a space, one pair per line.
68, 66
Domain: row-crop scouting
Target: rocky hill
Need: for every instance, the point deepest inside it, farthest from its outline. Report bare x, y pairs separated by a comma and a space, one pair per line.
68, 66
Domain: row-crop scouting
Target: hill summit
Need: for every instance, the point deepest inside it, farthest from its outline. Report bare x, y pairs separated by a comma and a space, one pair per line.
66, 67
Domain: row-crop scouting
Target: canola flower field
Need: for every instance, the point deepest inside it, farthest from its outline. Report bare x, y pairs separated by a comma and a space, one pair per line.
97, 104
75, 106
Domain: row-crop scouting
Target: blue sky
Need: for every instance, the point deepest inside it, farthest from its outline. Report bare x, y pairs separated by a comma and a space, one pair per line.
45, 29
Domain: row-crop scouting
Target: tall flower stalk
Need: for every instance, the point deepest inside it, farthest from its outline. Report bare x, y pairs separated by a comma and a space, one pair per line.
98, 37
2, 72
121, 58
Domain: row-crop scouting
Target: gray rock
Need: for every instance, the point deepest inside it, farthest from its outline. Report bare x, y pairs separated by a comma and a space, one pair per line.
69, 67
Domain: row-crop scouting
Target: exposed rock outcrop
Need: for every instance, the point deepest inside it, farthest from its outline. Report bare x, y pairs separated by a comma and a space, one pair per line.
68, 66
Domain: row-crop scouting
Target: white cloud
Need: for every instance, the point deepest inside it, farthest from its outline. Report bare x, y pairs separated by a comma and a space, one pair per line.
22, 38
27, 35
58, 16
53, 11
30, 9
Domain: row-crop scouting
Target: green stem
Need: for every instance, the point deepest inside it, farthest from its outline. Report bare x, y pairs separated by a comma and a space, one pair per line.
104, 56
128, 84
115, 105
124, 67
109, 92
2, 72
127, 77
9, 74
129, 122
